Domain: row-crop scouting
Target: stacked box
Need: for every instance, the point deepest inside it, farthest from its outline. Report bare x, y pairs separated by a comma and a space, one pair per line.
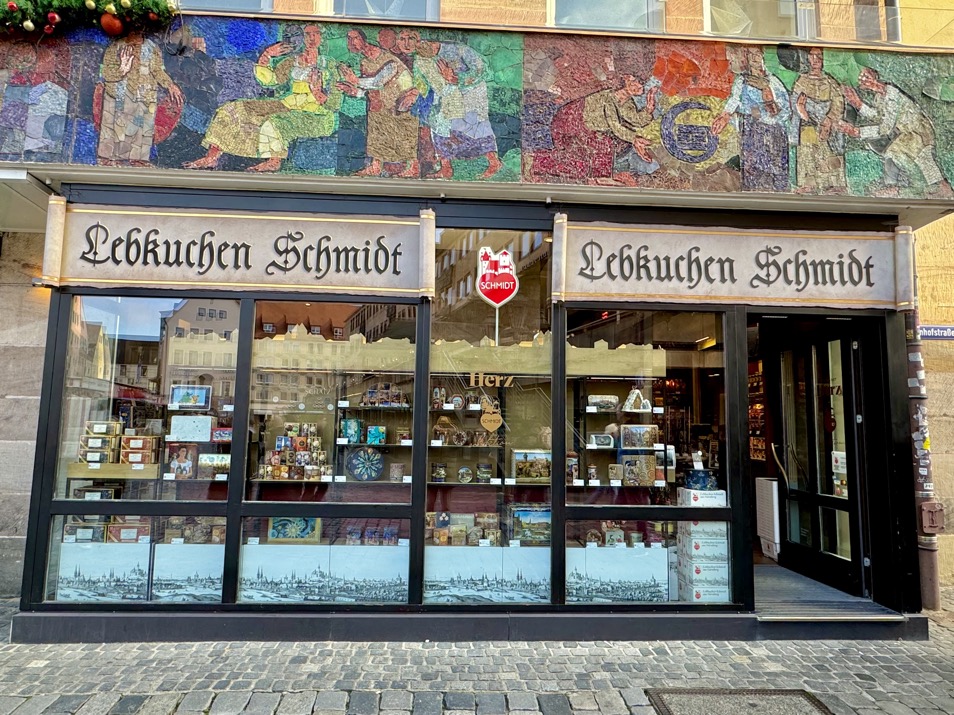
104, 428
696, 497
703, 562
673, 553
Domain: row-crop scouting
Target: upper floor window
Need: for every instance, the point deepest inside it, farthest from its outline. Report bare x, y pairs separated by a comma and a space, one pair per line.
200, 313
268, 327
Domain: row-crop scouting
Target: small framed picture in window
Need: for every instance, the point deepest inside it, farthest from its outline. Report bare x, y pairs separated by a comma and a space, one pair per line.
190, 397
600, 440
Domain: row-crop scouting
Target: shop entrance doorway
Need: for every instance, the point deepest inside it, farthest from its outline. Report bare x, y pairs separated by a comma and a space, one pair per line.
814, 386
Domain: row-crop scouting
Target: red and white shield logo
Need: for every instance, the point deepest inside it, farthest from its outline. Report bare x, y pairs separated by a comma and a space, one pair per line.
496, 280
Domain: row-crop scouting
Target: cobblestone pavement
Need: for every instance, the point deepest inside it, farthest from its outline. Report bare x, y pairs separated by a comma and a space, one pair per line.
488, 678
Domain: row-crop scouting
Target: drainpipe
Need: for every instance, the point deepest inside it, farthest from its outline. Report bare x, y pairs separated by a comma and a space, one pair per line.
892, 20
930, 512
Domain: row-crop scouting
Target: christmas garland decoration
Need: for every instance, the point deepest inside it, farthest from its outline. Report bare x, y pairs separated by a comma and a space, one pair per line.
114, 16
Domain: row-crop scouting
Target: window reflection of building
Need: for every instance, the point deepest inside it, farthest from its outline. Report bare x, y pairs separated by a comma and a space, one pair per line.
461, 314
200, 346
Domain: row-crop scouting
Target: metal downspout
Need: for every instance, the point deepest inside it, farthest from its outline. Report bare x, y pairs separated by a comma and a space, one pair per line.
930, 512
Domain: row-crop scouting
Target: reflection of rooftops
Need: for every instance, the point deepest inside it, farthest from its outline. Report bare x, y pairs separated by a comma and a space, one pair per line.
277, 317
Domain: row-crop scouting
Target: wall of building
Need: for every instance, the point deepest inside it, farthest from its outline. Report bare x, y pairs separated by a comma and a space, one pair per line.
928, 23
22, 347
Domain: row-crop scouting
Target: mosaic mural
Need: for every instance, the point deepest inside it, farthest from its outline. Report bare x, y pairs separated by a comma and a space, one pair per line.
336, 99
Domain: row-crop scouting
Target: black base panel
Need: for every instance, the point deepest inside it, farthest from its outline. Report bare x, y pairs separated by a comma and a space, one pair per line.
131, 627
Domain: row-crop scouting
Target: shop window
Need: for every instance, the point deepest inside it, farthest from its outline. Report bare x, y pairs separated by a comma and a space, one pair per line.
310, 559
637, 15
628, 561
489, 453
770, 19
645, 408
348, 437
129, 559
166, 438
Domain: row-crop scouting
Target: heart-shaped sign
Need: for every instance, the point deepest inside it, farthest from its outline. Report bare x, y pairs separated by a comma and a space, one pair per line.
496, 280
491, 421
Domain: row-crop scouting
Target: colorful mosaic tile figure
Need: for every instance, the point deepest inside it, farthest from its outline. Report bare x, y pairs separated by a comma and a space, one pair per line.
759, 107
819, 109
453, 74
591, 133
306, 108
128, 98
888, 113
392, 131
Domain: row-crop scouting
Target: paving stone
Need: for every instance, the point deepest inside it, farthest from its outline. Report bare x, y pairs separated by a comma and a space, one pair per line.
68, 704
297, 703
36, 705
582, 701
634, 697
334, 700
942, 703
230, 703
893, 708
459, 701
99, 704
396, 700
611, 703
554, 704
262, 704
522, 701
643, 710
395, 712
164, 704
128, 705
491, 704
363, 702
428, 703
9, 704
195, 702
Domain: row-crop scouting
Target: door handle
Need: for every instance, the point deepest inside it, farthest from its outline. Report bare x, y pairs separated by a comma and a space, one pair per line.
779, 463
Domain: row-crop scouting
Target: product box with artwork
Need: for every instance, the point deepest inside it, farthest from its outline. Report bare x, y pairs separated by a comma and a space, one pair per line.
84, 533
127, 533
704, 529
377, 434
96, 456
135, 456
147, 444
697, 549
531, 466
529, 523
104, 428
695, 497
99, 442
703, 573
703, 594
214, 466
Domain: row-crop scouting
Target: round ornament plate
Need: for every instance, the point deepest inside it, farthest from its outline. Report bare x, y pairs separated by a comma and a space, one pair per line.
465, 475
365, 464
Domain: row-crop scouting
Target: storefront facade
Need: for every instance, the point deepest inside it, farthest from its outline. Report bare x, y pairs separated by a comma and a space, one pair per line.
355, 329
533, 426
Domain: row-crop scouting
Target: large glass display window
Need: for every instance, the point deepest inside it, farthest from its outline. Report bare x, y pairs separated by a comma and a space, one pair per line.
488, 517
148, 399
331, 402
647, 561
646, 413
133, 558
330, 560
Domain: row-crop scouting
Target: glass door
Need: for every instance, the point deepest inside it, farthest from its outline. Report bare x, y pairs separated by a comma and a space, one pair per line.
818, 447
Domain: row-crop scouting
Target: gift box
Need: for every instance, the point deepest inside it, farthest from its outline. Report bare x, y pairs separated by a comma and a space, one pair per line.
377, 434
442, 536
95, 456
148, 444
703, 594
699, 549
703, 573
102, 442
458, 535
612, 537
704, 529
702, 480
351, 430
133, 456
697, 497
127, 533
104, 427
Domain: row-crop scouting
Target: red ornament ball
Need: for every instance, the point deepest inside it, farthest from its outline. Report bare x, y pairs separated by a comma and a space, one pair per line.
111, 25
48, 29
53, 18
153, 17
12, 6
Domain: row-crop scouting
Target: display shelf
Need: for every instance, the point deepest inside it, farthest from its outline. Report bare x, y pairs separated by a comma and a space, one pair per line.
365, 444
83, 470
375, 408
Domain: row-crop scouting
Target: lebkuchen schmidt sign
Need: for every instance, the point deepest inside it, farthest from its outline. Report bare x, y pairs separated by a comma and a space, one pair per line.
722, 265
99, 246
